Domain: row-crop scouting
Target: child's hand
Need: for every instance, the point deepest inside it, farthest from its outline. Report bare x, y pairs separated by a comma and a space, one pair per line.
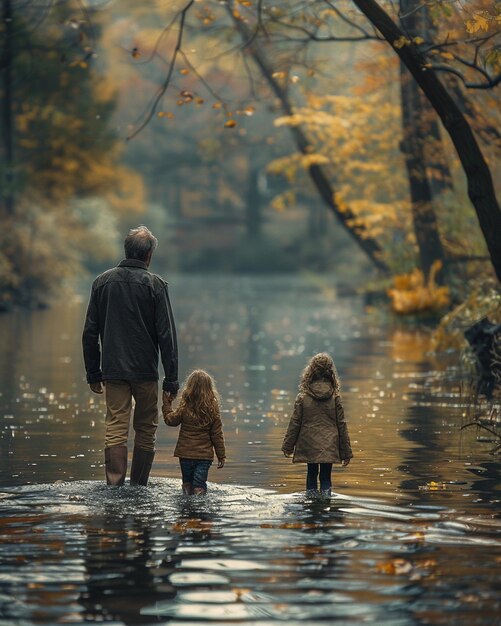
220, 463
345, 462
168, 397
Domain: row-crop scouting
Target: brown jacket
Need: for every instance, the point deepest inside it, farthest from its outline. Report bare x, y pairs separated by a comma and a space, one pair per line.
317, 431
196, 441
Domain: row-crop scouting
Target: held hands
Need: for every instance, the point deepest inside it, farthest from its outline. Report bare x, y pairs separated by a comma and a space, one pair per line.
345, 462
168, 397
220, 463
97, 387
287, 454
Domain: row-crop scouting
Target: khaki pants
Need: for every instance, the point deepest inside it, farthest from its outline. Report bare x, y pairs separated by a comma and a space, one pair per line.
119, 394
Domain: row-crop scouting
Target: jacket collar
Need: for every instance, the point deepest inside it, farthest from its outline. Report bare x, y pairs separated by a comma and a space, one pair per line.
133, 263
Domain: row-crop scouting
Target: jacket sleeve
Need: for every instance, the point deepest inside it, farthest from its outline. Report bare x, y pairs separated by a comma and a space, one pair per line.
344, 439
171, 418
90, 342
167, 339
217, 437
294, 427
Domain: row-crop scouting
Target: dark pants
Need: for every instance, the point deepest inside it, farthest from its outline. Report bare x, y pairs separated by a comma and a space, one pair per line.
325, 476
195, 472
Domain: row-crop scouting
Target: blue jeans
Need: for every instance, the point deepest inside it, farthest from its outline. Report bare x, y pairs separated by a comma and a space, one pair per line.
325, 476
195, 472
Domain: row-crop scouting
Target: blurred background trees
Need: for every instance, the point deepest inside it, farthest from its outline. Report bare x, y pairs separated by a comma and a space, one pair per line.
285, 137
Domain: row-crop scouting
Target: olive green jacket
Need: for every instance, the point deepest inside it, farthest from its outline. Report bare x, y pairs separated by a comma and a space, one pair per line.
317, 431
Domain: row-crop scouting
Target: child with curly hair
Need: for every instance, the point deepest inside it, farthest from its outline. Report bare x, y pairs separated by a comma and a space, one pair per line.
317, 432
201, 431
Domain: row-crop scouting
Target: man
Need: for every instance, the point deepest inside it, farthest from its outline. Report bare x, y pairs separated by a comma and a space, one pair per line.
130, 315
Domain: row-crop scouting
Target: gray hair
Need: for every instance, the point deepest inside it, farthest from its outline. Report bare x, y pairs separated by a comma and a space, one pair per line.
139, 243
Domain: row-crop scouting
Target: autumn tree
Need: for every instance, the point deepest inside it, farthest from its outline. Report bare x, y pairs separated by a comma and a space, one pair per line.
63, 163
480, 184
267, 24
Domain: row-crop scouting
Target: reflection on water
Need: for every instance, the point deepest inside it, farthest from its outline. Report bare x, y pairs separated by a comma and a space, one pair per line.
80, 552
412, 535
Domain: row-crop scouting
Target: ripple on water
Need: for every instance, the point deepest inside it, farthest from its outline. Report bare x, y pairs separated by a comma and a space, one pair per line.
241, 555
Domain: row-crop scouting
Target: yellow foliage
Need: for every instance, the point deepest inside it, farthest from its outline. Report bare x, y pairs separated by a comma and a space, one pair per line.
284, 200
411, 294
401, 42
307, 160
479, 22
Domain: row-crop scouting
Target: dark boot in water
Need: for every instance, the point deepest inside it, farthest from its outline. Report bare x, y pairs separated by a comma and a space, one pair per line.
141, 466
187, 489
115, 465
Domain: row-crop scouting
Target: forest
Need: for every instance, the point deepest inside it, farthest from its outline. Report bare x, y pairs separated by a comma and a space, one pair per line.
353, 139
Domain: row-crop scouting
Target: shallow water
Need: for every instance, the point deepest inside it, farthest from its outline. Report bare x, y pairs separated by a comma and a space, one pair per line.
411, 536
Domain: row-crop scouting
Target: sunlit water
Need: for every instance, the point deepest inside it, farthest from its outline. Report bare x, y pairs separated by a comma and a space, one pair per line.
412, 534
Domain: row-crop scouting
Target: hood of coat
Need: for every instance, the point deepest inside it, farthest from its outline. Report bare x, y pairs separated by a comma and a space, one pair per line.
321, 389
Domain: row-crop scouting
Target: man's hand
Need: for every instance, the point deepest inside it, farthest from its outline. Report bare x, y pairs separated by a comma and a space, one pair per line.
220, 463
97, 387
287, 454
345, 462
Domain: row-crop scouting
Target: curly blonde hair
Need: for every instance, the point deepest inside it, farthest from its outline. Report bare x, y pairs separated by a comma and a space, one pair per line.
320, 367
200, 398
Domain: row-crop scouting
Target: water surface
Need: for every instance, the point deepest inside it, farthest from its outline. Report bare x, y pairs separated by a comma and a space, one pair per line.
411, 536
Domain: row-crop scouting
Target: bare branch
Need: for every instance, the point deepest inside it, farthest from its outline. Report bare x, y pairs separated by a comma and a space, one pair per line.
213, 93
479, 425
489, 84
346, 20
164, 87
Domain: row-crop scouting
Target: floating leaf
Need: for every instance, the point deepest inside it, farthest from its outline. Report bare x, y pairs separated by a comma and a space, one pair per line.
395, 567
230, 124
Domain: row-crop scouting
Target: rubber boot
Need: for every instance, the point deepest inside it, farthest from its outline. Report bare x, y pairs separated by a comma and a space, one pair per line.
199, 491
187, 489
141, 466
115, 465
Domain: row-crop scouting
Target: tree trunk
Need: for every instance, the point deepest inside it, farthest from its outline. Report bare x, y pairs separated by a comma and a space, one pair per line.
416, 118
480, 186
435, 156
423, 213
7, 116
320, 179
253, 205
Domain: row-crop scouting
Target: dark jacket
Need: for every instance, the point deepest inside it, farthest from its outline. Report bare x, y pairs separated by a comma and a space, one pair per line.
196, 441
130, 315
317, 430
